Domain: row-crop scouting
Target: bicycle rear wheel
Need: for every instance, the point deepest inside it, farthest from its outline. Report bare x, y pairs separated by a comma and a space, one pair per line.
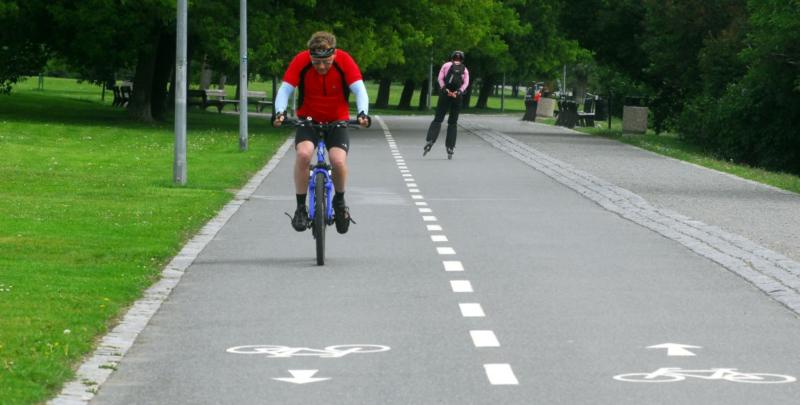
320, 211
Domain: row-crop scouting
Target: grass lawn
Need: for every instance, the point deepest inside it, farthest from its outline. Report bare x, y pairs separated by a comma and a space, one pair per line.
671, 145
89, 216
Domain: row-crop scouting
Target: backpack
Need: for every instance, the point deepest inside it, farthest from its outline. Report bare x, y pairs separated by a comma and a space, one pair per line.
454, 77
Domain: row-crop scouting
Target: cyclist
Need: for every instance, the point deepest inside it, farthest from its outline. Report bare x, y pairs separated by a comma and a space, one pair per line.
323, 96
453, 81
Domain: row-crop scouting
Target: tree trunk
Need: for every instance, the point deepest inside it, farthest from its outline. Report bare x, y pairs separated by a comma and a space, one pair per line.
515, 90
139, 107
164, 65
423, 96
486, 89
405, 97
467, 97
382, 101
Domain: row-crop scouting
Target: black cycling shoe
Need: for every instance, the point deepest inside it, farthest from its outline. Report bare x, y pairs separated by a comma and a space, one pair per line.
450, 153
427, 148
300, 221
341, 216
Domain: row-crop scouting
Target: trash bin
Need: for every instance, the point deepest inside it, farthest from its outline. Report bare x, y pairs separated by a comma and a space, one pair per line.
634, 115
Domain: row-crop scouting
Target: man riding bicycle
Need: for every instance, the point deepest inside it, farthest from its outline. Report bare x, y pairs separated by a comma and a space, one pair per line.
323, 96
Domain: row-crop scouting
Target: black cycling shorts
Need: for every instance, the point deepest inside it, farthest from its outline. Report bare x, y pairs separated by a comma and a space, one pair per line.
337, 138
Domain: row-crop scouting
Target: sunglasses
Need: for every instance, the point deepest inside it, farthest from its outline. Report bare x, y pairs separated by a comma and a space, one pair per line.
321, 62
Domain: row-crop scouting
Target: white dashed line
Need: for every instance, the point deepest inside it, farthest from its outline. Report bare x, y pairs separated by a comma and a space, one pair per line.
445, 250
484, 338
461, 286
471, 310
453, 266
497, 373
500, 374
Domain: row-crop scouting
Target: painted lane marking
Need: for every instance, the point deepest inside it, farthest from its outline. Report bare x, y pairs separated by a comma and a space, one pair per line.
673, 374
417, 197
471, 310
425, 210
409, 180
461, 286
500, 374
434, 227
484, 338
421, 203
413, 190
676, 349
429, 218
445, 250
335, 351
302, 377
453, 265
438, 238
410, 185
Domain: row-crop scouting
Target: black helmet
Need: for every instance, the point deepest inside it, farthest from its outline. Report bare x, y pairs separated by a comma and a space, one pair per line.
457, 54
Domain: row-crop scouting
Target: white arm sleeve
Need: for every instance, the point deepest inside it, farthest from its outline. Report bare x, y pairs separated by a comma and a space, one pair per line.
362, 99
282, 99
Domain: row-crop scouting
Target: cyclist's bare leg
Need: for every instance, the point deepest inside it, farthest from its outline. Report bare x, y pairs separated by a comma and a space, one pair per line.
304, 150
338, 157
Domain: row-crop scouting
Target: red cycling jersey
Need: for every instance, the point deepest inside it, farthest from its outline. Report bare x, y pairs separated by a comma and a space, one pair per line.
323, 97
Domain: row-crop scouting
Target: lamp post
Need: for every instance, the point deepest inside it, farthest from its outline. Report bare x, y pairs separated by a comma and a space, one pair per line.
179, 166
243, 75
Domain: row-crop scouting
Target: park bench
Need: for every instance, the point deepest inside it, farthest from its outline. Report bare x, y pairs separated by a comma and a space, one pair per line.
196, 97
122, 94
215, 98
259, 98
586, 117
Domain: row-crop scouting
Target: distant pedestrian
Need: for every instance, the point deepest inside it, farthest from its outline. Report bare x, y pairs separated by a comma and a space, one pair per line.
453, 81
532, 97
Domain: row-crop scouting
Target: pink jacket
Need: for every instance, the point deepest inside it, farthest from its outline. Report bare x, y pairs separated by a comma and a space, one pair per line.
443, 73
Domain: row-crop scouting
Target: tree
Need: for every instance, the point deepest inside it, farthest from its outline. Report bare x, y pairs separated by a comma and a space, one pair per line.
23, 51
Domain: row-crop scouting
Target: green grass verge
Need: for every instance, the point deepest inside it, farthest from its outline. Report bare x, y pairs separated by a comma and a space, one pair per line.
671, 145
89, 216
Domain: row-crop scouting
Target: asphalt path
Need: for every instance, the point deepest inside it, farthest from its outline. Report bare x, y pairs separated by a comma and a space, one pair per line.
477, 280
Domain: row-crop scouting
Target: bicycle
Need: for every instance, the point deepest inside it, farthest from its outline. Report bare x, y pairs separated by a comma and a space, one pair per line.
320, 184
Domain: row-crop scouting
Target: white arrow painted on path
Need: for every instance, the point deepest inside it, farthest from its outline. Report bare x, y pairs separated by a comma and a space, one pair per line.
676, 349
302, 377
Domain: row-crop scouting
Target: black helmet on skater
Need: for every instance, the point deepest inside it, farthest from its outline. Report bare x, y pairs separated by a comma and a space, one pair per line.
457, 55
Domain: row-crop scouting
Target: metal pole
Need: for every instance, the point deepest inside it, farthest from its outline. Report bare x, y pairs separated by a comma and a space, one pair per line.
503, 94
430, 81
179, 167
564, 90
243, 75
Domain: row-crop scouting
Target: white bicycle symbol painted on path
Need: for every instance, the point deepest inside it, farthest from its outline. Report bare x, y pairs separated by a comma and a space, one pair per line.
671, 374
275, 351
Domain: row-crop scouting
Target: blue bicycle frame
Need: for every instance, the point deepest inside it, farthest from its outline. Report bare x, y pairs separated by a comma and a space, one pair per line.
322, 166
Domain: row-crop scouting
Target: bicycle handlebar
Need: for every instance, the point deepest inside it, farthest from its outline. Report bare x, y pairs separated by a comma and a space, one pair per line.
309, 123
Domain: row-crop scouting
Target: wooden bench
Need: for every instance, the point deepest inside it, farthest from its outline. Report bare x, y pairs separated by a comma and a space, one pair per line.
586, 117
196, 97
215, 98
122, 94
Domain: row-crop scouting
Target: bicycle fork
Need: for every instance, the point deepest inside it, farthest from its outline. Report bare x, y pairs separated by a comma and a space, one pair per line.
312, 184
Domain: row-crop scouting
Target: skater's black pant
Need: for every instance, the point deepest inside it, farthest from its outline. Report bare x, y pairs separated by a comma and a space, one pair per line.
453, 104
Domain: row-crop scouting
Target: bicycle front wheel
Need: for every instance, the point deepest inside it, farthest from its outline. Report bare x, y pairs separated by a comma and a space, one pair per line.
319, 216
